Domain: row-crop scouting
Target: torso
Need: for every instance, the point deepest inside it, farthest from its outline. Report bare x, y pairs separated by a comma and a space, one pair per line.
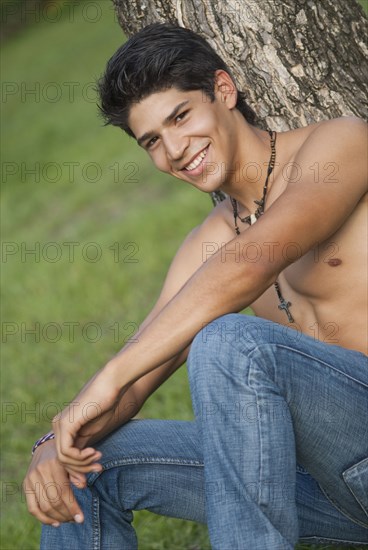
327, 287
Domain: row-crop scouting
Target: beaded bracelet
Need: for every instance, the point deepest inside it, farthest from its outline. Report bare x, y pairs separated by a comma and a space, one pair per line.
43, 439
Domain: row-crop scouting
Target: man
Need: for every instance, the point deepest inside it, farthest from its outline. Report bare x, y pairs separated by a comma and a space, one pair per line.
279, 397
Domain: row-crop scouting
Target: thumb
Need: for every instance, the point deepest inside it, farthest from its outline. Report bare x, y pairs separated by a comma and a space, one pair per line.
78, 479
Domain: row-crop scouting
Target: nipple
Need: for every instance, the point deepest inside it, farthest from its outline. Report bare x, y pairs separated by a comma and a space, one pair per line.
334, 262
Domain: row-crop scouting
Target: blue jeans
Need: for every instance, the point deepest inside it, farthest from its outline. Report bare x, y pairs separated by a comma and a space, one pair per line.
278, 451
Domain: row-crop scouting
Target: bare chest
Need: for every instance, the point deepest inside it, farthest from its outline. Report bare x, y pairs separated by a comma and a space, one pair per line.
327, 287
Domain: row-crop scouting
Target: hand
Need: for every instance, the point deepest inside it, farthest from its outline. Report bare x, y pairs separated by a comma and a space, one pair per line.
96, 429
84, 419
47, 487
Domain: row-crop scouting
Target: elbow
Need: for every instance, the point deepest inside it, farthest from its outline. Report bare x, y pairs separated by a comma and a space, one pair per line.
250, 283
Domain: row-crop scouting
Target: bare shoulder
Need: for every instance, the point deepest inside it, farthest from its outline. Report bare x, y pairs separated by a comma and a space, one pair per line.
342, 141
201, 243
339, 128
334, 152
218, 225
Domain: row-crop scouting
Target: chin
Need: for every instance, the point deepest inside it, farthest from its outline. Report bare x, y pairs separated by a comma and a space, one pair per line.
208, 187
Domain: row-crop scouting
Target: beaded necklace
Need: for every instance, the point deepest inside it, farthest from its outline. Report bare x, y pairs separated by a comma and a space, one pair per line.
252, 218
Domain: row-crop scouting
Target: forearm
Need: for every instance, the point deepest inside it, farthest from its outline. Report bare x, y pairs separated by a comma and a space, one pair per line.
137, 394
214, 290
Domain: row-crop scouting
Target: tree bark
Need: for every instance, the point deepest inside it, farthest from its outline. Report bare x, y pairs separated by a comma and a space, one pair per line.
298, 61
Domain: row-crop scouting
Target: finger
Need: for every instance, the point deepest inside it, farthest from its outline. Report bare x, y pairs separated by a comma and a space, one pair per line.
70, 453
80, 461
49, 517
54, 495
80, 466
89, 454
65, 435
79, 480
59, 502
81, 469
34, 509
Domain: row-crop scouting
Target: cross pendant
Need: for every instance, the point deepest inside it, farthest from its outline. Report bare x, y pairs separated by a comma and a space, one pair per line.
284, 305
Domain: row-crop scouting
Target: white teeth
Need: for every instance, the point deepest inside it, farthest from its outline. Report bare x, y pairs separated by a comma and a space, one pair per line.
197, 161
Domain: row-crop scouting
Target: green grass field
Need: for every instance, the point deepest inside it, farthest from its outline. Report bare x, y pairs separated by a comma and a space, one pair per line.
89, 229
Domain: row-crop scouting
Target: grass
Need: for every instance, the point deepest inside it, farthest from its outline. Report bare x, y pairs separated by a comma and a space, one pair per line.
40, 372
93, 187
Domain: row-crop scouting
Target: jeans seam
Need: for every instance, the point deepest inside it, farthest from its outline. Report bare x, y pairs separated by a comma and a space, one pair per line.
142, 460
355, 496
316, 539
259, 431
153, 460
249, 353
360, 382
96, 535
342, 511
302, 470
351, 489
246, 352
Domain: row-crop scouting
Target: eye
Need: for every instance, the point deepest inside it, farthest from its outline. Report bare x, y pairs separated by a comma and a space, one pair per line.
151, 142
182, 115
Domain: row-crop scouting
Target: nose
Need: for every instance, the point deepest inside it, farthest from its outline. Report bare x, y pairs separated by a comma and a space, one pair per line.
175, 146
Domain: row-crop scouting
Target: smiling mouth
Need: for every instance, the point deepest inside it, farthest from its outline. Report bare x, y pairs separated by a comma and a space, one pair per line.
197, 161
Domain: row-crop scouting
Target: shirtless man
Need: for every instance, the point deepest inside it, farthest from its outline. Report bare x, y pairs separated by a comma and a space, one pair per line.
279, 449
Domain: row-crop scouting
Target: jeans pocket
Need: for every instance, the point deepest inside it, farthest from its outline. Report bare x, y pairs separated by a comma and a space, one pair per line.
356, 478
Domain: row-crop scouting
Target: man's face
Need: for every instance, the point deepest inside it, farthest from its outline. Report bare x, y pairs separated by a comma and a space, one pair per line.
187, 136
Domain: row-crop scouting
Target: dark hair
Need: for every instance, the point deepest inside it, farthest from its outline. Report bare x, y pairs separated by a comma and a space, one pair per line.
159, 57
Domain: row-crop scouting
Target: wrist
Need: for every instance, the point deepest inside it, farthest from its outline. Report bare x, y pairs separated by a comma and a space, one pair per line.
116, 374
47, 437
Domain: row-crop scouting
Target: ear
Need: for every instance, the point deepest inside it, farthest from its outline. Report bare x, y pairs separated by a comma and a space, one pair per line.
225, 89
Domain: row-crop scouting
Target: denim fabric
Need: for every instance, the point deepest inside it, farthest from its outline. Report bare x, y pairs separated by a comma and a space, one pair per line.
272, 407
265, 397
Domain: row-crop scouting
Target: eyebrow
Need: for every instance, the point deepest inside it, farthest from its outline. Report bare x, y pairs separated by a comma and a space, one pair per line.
166, 121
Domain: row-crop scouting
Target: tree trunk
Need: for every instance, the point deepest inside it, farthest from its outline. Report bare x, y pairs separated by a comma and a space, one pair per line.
298, 61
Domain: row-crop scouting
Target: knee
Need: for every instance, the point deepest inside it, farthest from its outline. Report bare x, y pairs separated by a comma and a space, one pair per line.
233, 328
223, 329
213, 336
227, 336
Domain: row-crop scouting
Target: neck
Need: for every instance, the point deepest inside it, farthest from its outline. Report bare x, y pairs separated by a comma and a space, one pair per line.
250, 162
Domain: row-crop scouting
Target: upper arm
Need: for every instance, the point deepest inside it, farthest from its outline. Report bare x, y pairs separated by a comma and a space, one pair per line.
203, 240
312, 209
